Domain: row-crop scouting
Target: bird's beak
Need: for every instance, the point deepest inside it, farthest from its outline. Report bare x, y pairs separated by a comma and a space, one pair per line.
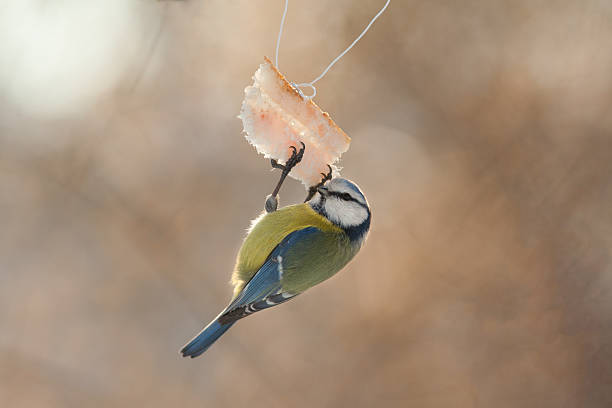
323, 191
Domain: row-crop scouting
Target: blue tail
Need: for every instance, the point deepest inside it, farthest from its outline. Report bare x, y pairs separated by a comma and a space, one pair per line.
205, 339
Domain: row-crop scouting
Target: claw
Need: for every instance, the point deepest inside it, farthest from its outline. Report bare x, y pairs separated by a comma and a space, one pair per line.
296, 156
275, 165
328, 176
313, 189
292, 161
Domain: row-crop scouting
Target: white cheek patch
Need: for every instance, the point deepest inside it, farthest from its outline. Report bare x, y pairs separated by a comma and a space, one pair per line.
345, 213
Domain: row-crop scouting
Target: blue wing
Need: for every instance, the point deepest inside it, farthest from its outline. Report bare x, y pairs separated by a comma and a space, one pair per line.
264, 290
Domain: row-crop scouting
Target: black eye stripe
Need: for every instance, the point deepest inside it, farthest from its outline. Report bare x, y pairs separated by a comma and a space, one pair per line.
336, 194
344, 196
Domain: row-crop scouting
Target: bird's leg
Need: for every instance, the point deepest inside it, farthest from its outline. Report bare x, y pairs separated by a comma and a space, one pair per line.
292, 161
296, 157
313, 189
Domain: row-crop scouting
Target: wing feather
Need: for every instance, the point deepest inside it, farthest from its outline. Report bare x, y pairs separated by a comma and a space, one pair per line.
265, 290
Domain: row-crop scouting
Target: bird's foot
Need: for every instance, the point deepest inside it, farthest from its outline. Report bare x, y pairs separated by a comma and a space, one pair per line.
313, 189
292, 161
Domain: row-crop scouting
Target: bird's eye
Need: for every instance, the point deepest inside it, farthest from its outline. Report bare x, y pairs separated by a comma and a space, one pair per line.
345, 196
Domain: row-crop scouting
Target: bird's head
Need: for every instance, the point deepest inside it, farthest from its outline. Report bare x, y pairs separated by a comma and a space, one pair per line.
342, 202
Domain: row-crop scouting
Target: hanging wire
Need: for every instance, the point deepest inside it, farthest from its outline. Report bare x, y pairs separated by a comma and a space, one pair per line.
280, 32
331, 64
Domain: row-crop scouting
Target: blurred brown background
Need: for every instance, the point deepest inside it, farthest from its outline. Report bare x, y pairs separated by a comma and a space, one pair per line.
482, 136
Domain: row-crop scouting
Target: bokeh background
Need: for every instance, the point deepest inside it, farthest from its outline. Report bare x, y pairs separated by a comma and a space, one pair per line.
482, 135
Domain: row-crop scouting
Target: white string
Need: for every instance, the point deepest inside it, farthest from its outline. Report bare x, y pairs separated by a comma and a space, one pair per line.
280, 32
302, 94
311, 83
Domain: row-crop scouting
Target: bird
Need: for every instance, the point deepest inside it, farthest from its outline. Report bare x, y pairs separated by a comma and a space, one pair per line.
290, 250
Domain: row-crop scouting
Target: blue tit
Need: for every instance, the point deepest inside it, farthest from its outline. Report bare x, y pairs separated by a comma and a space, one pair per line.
290, 250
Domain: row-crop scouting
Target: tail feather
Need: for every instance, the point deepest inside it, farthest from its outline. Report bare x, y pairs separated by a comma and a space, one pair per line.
205, 339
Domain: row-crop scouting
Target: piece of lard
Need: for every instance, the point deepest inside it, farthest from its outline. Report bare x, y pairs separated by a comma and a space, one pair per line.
275, 116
